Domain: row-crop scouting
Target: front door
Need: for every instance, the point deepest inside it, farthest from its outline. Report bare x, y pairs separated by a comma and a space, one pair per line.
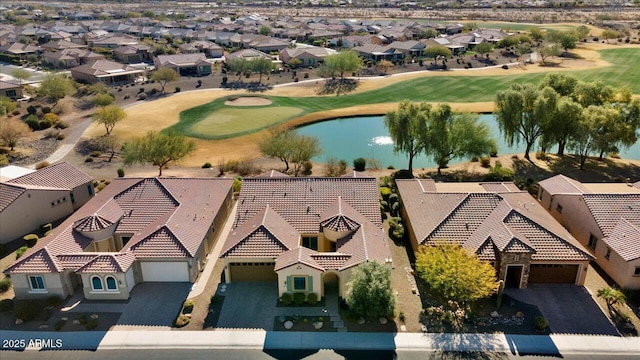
514, 274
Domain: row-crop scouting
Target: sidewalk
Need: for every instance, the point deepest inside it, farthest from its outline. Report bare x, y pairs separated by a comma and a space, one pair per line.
500, 343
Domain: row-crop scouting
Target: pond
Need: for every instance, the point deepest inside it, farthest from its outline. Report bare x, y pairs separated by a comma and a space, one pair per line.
367, 137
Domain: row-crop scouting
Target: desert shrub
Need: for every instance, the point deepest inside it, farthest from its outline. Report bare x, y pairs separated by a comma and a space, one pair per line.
540, 323
5, 284
312, 298
27, 310
540, 155
177, 89
384, 206
95, 153
499, 173
51, 117
44, 124
385, 192
182, 321
335, 167
187, 307
246, 167
91, 324
298, 298
395, 209
21, 251
33, 121
237, 184
15, 112
100, 185
46, 227
359, 164
4, 160
45, 109
32, 110
393, 199
485, 162
286, 299
88, 159
142, 96
60, 136
493, 152
206, 165
505, 66
402, 174
59, 325
120, 172
306, 167
6, 305
30, 239
42, 165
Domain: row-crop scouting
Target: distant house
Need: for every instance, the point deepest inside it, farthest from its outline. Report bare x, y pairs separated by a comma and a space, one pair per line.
12, 91
308, 56
133, 54
111, 41
304, 233
105, 71
39, 197
497, 222
185, 64
209, 48
69, 58
135, 230
604, 217
247, 55
379, 52
19, 50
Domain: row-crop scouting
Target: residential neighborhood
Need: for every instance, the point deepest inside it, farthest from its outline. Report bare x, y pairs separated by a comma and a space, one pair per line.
189, 177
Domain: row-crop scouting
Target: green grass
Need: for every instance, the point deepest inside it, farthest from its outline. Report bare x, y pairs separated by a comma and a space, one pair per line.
623, 72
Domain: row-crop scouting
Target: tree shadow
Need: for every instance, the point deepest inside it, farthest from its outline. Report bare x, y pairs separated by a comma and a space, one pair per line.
253, 86
338, 86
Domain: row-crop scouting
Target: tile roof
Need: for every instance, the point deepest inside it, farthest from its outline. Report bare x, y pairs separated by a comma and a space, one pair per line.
8, 194
608, 209
40, 261
499, 187
561, 184
102, 68
340, 216
624, 239
181, 59
168, 217
108, 263
488, 222
272, 174
62, 175
92, 223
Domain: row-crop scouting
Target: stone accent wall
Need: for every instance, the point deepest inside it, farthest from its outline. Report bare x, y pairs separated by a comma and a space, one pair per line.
514, 259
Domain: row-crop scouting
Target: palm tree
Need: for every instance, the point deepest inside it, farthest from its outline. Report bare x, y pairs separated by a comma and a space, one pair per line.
611, 296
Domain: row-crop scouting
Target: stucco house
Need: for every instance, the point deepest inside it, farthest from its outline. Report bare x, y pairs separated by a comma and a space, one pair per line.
185, 64
134, 230
308, 56
35, 198
105, 71
304, 232
69, 58
500, 224
132, 54
210, 49
604, 217
12, 91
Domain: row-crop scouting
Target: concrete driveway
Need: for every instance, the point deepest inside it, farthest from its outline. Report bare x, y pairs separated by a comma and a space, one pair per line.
569, 309
249, 305
154, 304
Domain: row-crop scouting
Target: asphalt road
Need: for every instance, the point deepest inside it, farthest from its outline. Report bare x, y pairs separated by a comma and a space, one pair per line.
284, 355
36, 76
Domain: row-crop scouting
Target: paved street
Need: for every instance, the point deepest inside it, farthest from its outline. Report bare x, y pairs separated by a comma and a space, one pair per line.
36, 76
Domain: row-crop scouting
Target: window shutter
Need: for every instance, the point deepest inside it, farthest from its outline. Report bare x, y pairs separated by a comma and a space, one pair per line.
310, 283
289, 283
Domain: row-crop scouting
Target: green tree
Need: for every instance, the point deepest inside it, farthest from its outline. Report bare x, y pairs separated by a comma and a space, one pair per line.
109, 116
560, 128
593, 93
451, 135
158, 149
21, 74
437, 51
523, 112
56, 87
453, 274
594, 131
164, 75
264, 30
369, 292
6, 105
428, 33
304, 148
484, 48
384, 66
346, 61
238, 66
564, 85
606, 34
566, 39
102, 100
290, 147
408, 128
582, 31
548, 50
611, 296
12, 130
536, 33
261, 66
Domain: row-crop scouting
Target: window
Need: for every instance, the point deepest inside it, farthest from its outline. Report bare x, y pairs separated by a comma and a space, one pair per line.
36, 282
90, 189
73, 199
636, 272
96, 283
559, 208
310, 242
300, 283
593, 241
608, 254
112, 284
11, 93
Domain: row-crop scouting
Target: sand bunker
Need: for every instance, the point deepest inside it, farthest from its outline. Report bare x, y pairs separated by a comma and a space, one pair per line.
248, 101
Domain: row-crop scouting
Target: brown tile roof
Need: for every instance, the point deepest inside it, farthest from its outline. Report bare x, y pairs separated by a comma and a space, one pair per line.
109, 263
92, 223
608, 209
167, 217
561, 184
40, 261
488, 222
272, 174
181, 59
499, 187
104, 68
75, 261
62, 175
624, 239
8, 194
340, 216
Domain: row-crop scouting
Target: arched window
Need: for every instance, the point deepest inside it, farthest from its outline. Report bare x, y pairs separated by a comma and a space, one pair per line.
96, 283
112, 283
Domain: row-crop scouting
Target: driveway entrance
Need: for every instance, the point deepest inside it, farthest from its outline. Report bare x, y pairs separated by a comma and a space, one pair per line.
249, 305
569, 309
154, 304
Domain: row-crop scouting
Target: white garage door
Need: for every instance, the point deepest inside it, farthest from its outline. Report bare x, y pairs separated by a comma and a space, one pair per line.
174, 271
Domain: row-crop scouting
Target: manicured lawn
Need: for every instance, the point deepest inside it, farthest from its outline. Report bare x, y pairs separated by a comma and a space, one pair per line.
232, 121
215, 120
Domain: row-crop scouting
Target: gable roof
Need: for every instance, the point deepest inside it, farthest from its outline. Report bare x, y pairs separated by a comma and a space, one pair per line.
61, 175
561, 184
624, 239
486, 222
608, 209
108, 263
105, 68
181, 59
166, 217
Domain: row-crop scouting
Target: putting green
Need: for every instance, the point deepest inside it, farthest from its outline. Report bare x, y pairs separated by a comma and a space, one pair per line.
234, 121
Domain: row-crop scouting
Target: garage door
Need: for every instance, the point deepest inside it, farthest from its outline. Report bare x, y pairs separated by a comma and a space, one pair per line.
166, 271
253, 272
553, 273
